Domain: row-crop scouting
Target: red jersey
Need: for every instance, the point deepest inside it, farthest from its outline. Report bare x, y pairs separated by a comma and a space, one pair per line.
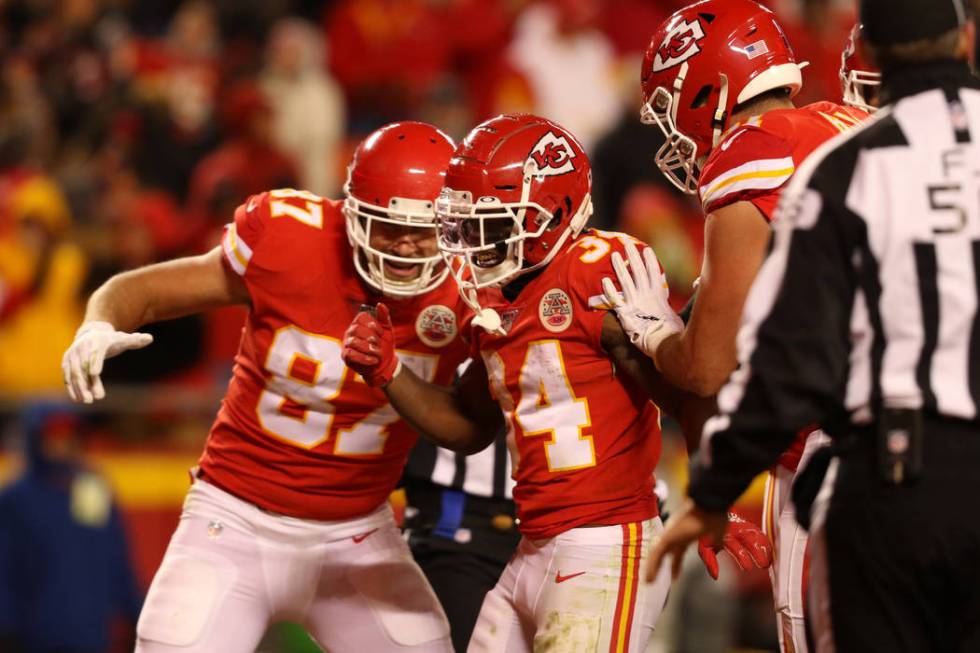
298, 433
584, 440
756, 158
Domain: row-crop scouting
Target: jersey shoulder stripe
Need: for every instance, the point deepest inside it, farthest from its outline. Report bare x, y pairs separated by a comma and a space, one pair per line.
761, 174
754, 158
236, 250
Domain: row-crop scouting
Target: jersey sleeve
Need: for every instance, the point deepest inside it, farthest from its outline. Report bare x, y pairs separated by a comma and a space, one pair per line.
244, 234
751, 164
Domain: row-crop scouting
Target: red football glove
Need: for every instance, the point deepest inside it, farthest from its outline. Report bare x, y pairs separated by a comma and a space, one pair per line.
369, 347
744, 541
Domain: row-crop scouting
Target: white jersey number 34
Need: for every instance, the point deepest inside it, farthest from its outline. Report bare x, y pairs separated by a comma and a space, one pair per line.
548, 407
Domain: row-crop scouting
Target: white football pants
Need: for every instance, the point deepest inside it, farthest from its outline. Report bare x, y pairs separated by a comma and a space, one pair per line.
789, 551
579, 591
231, 569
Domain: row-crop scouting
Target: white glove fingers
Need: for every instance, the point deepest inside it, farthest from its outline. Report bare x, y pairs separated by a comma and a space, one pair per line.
66, 373
610, 293
127, 341
625, 278
94, 374
654, 274
79, 382
639, 270
98, 390
140, 339
95, 361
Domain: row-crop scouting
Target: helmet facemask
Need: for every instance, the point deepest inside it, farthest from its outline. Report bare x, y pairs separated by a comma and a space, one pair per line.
487, 237
860, 87
364, 219
677, 157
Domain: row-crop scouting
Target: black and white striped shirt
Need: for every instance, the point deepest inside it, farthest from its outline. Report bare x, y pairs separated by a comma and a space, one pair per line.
485, 474
869, 297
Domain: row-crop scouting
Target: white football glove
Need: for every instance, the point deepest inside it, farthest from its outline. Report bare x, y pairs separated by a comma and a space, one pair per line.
642, 309
82, 363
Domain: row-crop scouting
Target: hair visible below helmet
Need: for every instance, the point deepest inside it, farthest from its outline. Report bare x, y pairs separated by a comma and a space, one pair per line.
394, 178
859, 78
518, 190
701, 63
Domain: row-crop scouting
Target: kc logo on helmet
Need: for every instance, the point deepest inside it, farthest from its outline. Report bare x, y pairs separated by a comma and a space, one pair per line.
552, 155
680, 44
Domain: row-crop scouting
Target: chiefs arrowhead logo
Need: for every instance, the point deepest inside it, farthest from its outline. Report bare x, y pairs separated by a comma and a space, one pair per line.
553, 155
680, 44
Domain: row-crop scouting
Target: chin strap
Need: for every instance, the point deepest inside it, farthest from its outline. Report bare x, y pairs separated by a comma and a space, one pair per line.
675, 100
720, 117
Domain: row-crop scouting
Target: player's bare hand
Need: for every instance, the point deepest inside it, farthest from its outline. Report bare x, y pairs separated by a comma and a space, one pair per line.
82, 363
642, 308
684, 528
369, 347
745, 543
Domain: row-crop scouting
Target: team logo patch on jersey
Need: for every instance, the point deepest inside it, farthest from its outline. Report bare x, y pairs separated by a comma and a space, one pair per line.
680, 44
555, 310
553, 155
436, 325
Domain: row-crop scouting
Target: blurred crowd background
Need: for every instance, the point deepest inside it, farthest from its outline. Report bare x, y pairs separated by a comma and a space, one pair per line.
129, 132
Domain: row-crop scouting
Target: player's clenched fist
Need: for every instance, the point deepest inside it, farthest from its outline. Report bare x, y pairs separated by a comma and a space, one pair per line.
369, 347
82, 363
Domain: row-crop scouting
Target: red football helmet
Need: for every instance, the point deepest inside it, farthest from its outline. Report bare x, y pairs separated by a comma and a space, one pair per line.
701, 62
859, 78
518, 189
394, 179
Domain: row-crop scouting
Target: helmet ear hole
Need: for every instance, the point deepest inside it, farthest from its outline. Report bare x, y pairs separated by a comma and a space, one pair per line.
555, 219
559, 213
702, 96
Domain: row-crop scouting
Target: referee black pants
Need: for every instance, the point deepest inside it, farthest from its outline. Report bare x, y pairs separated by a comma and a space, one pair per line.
896, 568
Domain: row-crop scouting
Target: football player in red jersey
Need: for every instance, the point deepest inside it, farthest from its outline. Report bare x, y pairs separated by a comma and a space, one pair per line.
287, 516
555, 367
860, 79
718, 78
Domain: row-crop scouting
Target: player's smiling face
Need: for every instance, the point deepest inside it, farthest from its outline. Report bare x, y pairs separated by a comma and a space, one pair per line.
495, 232
406, 242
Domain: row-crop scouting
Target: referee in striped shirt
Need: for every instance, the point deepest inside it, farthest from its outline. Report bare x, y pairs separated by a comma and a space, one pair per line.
864, 320
461, 525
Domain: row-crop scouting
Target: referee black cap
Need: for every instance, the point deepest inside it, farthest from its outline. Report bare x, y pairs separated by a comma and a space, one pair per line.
889, 22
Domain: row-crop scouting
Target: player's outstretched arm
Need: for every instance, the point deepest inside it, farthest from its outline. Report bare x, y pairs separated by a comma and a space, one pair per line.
137, 297
463, 418
702, 357
689, 409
